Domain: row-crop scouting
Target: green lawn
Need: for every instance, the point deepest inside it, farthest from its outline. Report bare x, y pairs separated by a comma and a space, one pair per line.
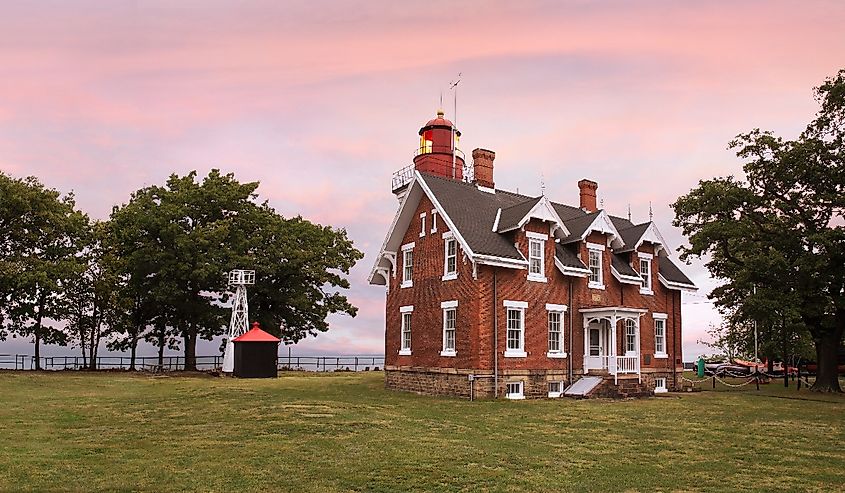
344, 432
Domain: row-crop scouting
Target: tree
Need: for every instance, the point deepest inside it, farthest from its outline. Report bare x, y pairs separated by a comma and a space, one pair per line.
777, 239
44, 234
298, 265
92, 297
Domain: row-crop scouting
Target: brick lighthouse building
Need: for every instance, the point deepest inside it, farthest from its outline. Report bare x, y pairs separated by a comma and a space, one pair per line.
495, 294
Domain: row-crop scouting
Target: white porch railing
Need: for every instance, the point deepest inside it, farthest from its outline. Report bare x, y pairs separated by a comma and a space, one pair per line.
613, 364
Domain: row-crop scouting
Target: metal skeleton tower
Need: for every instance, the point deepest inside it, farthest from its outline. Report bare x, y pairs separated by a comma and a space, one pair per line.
239, 324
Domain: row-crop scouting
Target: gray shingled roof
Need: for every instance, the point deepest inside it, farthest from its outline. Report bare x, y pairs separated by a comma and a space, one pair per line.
671, 272
631, 234
512, 215
473, 213
567, 257
622, 266
578, 225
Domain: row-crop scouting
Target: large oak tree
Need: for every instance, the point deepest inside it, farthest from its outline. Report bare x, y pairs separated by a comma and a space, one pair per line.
777, 238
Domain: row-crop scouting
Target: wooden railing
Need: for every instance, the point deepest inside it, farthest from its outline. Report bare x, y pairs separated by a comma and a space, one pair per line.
614, 364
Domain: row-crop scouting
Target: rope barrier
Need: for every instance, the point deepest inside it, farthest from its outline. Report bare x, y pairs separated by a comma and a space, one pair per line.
694, 381
733, 385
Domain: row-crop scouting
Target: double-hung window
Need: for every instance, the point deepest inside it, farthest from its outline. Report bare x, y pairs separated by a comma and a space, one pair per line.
405, 344
630, 337
450, 320
407, 265
660, 335
645, 272
595, 252
450, 256
555, 330
536, 256
515, 336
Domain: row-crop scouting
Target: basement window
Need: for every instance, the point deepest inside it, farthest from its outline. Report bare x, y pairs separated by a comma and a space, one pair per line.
555, 389
513, 390
660, 385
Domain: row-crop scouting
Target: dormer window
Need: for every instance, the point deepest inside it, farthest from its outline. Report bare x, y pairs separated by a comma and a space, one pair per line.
407, 265
450, 256
595, 252
537, 256
645, 272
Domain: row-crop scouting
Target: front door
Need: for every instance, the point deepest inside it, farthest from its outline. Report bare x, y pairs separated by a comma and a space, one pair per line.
597, 339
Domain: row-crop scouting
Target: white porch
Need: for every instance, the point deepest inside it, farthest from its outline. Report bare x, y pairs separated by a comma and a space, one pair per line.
602, 351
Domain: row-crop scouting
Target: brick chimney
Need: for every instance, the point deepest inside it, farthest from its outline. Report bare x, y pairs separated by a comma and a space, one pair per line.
482, 162
588, 194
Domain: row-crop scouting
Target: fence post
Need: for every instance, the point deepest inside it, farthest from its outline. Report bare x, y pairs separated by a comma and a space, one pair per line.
356, 363
714, 381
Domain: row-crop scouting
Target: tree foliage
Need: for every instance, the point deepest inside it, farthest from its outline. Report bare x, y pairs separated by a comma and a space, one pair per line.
43, 235
777, 238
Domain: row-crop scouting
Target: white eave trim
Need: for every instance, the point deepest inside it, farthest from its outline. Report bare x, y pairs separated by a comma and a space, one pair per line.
626, 279
501, 261
691, 288
571, 271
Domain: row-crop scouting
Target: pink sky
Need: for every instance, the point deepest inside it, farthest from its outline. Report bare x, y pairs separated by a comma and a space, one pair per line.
321, 102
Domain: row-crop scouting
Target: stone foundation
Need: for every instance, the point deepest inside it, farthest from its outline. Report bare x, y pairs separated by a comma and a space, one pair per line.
535, 383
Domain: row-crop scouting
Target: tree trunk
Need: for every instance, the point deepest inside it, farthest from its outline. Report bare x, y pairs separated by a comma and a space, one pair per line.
37, 334
191, 349
133, 351
827, 358
161, 348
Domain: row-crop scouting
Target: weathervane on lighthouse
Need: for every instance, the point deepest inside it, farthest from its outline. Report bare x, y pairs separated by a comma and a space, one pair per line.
239, 324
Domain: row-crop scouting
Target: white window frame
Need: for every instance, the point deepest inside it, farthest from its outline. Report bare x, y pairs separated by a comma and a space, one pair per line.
433, 220
450, 306
407, 278
422, 225
539, 239
520, 307
405, 314
633, 326
559, 392
647, 278
448, 237
519, 388
658, 388
662, 318
559, 310
599, 250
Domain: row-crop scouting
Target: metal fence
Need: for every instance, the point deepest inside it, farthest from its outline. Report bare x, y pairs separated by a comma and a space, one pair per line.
177, 363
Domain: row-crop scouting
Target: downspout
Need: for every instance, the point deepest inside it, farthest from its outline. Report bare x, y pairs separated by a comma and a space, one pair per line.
495, 339
674, 342
571, 345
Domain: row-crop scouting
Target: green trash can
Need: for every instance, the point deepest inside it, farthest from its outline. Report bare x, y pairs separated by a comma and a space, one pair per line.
700, 367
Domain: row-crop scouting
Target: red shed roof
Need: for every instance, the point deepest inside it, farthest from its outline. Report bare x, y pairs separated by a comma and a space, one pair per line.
255, 334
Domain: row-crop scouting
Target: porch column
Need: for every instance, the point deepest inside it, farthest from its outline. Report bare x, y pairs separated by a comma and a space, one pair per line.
586, 324
639, 351
611, 354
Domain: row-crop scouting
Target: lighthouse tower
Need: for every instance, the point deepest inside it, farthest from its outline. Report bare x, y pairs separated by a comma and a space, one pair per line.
438, 139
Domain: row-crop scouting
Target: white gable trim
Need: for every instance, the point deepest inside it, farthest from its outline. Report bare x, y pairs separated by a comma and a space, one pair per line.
496, 222
544, 211
384, 253
448, 220
651, 234
602, 224
690, 288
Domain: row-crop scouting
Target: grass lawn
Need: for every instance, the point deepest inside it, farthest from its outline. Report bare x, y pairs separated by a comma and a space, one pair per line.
344, 432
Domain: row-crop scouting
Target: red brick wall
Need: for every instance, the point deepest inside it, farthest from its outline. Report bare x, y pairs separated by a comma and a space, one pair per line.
475, 306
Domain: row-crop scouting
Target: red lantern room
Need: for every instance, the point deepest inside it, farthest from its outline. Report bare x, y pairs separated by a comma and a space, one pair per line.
434, 154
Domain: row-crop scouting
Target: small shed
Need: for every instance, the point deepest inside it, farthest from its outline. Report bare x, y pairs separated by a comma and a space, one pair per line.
256, 354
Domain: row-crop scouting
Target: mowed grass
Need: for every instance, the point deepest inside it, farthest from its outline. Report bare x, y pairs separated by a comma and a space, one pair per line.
345, 432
